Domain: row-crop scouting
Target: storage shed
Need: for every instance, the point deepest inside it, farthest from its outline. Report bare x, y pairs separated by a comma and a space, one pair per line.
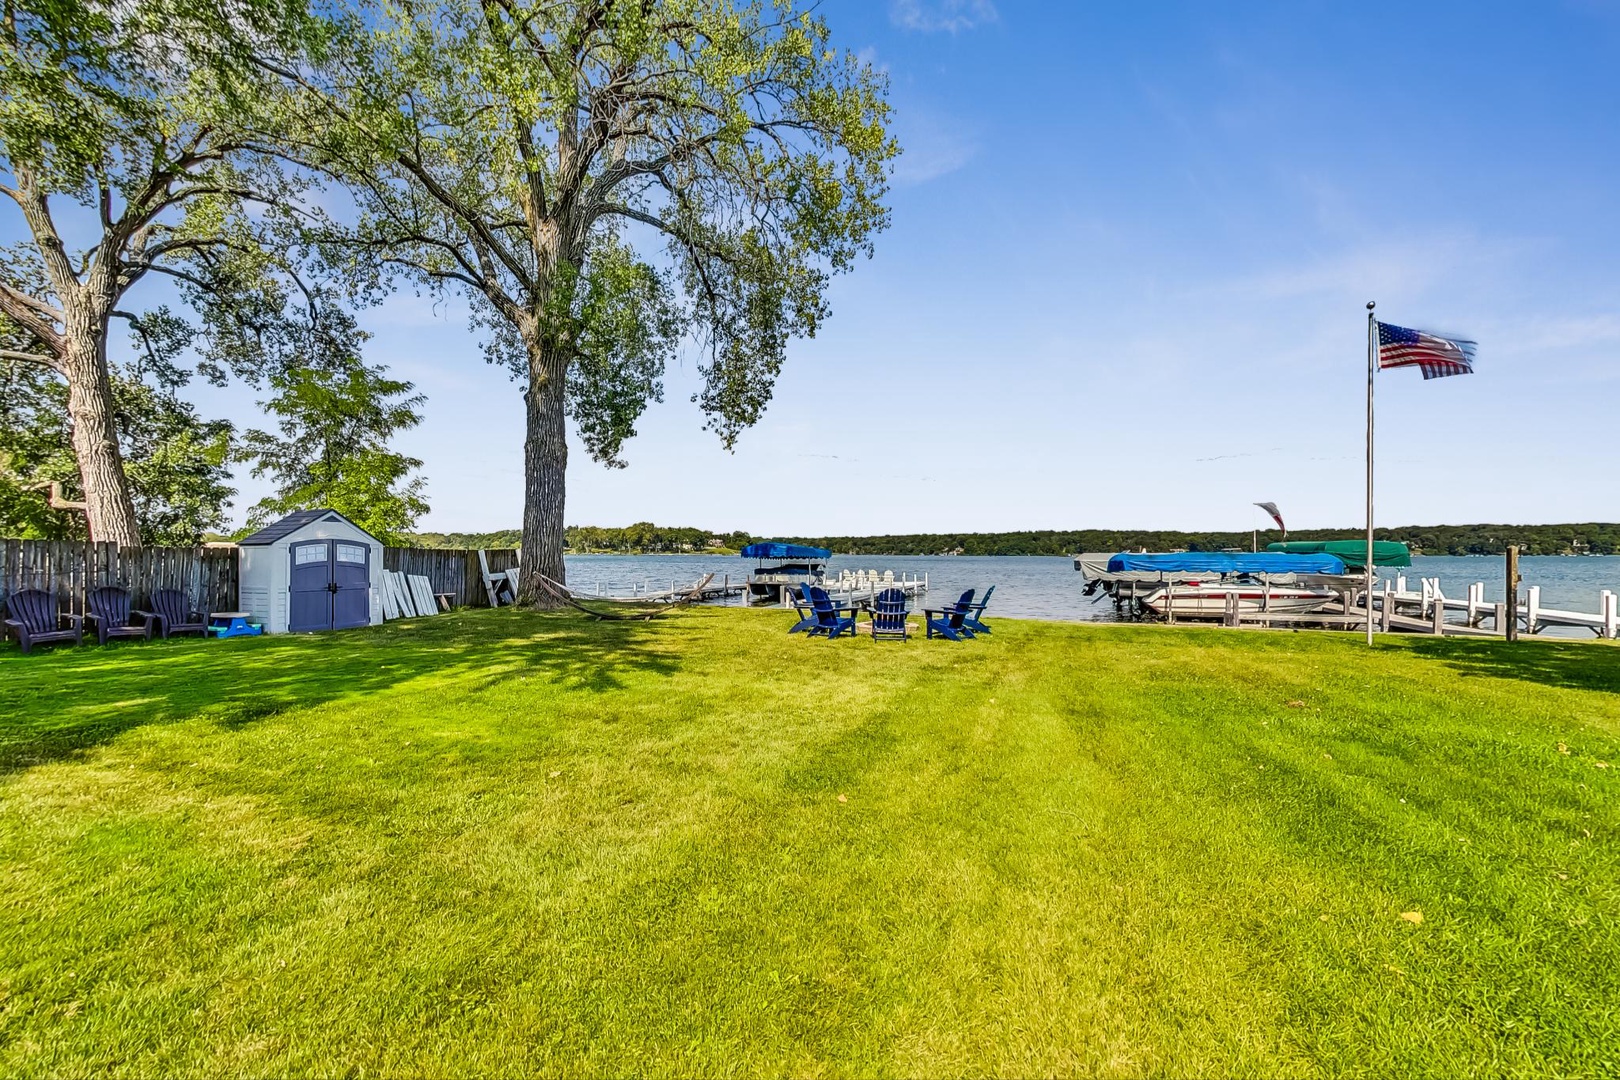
312, 570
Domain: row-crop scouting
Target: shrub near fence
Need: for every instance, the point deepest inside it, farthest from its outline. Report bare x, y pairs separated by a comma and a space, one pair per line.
70, 568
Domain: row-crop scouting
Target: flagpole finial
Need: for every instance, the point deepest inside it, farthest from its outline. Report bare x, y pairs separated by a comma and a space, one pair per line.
1371, 304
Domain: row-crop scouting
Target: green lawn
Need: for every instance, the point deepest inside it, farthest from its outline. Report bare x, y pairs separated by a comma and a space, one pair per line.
497, 842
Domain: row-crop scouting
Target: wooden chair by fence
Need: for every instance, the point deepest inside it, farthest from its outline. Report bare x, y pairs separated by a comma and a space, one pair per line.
110, 616
172, 614
33, 617
497, 586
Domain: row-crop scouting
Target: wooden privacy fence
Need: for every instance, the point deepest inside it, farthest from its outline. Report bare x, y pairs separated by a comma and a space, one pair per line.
451, 570
207, 575
71, 568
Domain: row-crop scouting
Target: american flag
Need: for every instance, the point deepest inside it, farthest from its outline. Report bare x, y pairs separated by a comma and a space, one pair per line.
1276, 515
1434, 355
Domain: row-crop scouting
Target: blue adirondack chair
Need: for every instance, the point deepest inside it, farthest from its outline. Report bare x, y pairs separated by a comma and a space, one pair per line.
889, 613
32, 615
172, 614
830, 618
974, 619
951, 622
800, 599
110, 617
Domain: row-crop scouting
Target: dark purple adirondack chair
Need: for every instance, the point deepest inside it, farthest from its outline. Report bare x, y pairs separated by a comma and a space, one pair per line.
172, 614
109, 614
32, 616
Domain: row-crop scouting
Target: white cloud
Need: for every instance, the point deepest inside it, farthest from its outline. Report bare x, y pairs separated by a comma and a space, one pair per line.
950, 16
1539, 335
869, 57
933, 148
1409, 268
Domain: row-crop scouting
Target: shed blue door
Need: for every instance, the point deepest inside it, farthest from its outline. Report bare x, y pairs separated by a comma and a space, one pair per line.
310, 603
351, 585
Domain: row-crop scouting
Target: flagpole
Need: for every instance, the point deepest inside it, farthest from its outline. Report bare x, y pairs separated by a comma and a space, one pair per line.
1372, 365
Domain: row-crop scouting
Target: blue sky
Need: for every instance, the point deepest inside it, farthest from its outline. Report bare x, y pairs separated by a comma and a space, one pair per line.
1125, 279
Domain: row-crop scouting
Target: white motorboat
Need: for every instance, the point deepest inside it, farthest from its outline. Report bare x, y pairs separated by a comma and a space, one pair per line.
1208, 600
1198, 585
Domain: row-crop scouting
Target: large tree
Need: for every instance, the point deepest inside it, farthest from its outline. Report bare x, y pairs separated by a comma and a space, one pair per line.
333, 450
536, 154
177, 464
136, 139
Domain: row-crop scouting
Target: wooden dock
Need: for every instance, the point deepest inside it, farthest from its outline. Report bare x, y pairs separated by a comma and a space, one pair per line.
1395, 609
1532, 617
848, 587
704, 590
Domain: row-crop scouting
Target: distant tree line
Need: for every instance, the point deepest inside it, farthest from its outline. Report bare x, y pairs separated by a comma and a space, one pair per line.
1597, 538
642, 538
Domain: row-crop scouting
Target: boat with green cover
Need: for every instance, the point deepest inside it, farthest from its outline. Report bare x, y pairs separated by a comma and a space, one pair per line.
1353, 553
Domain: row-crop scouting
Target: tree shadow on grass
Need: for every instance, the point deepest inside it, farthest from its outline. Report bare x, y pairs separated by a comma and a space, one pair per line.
591, 655
60, 702
1575, 665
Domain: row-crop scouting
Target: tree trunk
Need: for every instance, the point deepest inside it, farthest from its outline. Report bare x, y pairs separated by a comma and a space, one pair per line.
109, 510
81, 355
545, 468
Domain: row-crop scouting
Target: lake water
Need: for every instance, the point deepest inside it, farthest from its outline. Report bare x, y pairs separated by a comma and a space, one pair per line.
1042, 587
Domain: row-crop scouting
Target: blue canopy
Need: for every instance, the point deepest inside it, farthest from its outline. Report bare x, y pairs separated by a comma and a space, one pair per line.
775, 549
1225, 562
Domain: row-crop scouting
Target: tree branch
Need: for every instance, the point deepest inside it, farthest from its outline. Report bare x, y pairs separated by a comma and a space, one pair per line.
469, 219
146, 340
36, 210
28, 357
31, 315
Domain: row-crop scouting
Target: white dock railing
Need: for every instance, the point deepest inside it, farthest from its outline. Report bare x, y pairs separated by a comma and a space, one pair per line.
1534, 617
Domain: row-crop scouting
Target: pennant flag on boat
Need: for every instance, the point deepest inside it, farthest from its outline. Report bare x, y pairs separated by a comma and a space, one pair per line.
1276, 515
1432, 354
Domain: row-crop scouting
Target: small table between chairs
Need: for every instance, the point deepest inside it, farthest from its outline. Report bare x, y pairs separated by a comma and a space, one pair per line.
224, 624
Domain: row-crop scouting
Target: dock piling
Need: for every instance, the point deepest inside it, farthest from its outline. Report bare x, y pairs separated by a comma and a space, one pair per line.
1512, 592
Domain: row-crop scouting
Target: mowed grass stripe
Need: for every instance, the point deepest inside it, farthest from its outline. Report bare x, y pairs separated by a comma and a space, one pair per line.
500, 842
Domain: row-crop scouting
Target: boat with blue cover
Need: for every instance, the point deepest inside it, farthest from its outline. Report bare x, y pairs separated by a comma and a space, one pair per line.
782, 566
1201, 584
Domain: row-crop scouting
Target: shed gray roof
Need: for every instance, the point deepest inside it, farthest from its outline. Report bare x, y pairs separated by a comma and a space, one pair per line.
291, 524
